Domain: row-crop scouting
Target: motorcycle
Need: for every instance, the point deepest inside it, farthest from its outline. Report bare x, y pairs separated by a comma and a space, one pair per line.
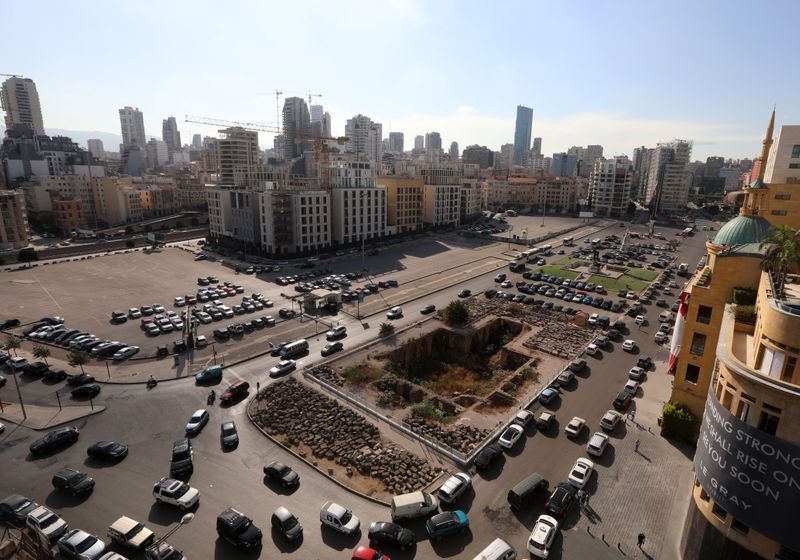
152, 382
211, 397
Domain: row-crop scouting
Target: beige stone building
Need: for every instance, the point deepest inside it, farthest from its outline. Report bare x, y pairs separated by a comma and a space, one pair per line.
14, 232
403, 202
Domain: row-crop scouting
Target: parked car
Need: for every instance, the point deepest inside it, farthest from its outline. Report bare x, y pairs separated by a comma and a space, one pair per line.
229, 437
575, 427
581, 473
446, 523
198, 420
80, 545
629, 345
15, 509
610, 420
238, 529
597, 444
46, 524
130, 533
124, 353
488, 455
510, 436
339, 518
454, 487
548, 395
561, 500
90, 391
73, 481
287, 524
542, 537
176, 493
282, 473
108, 450
384, 533
60, 436
82, 379
523, 417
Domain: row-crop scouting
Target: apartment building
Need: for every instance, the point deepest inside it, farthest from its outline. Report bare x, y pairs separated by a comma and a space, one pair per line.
14, 231
357, 213
295, 222
403, 202
470, 199
441, 205
610, 186
68, 214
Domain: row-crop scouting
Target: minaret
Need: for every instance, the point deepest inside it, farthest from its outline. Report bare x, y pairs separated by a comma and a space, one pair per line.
756, 193
767, 145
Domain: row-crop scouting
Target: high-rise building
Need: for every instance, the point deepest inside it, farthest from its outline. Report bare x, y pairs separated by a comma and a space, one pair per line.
239, 147
14, 231
537, 146
20, 100
316, 111
453, 153
365, 138
157, 153
506, 159
419, 143
522, 134
320, 121
96, 148
197, 142
480, 155
668, 183
132, 124
783, 165
296, 127
564, 165
170, 135
610, 186
396, 142
326, 124
433, 141
713, 165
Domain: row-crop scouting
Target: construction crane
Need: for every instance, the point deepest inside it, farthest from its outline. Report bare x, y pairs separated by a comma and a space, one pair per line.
278, 94
11, 75
260, 127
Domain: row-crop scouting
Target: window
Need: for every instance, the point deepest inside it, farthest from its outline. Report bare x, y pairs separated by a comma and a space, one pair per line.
704, 314
768, 421
783, 197
794, 166
796, 151
698, 344
744, 411
771, 362
788, 370
738, 526
717, 510
778, 212
692, 373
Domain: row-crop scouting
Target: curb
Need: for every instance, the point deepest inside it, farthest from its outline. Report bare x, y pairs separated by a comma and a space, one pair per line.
308, 463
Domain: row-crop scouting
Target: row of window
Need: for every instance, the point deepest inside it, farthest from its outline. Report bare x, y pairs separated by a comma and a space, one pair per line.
769, 418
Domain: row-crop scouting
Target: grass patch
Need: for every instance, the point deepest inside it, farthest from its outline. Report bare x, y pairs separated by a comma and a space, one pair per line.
613, 285
643, 274
554, 270
571, 260
361, 374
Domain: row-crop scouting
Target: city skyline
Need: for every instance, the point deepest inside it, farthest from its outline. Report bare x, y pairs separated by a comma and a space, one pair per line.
717, 112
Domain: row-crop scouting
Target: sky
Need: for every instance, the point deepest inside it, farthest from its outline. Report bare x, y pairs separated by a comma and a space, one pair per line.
613, 72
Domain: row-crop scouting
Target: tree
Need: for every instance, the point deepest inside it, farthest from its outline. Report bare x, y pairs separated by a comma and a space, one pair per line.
27, 255
78, 358
782, 251
12, 343
386, 329
40, 351
456, 313
130, 243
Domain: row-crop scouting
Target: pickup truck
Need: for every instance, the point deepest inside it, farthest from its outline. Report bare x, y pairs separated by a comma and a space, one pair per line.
176, 493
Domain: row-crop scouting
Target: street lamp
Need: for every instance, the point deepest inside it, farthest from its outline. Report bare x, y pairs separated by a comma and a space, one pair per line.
185, 520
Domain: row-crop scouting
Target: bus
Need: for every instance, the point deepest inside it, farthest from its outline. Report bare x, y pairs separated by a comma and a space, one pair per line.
687, 232
569, 241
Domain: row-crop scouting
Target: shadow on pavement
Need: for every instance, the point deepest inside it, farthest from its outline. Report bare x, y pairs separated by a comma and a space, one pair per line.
339, 541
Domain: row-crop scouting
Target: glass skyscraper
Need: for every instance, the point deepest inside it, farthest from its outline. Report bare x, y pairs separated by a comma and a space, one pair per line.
522, 134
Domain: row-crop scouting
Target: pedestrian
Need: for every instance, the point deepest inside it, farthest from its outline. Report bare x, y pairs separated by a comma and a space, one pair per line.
633, 415
636, 446
258, 386
641, 540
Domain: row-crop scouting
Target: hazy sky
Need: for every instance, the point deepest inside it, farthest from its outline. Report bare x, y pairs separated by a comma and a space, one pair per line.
617, 73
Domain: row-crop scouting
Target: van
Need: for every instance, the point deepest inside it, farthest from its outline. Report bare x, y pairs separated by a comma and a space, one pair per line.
296, 348
414, 504
665, 316
520, 497
498, 549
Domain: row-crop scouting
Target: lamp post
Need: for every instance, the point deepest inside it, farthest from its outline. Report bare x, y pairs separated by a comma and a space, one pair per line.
19, 394
185, 520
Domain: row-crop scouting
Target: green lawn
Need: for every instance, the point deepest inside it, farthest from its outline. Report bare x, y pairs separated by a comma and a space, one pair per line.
642, 273
554, 270
624, 282
569, 260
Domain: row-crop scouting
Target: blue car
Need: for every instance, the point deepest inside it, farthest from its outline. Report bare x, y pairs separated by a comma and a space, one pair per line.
587, 300
548, 395
446, 523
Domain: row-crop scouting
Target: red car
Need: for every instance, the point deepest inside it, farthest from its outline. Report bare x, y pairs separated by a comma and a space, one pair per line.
235, 392
520, 284
366, 553
190, 299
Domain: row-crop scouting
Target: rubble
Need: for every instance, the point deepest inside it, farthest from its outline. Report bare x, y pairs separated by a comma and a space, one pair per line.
461, 437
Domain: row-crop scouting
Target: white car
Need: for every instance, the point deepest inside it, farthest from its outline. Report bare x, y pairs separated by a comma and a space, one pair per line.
201, 342
158, 308
660, 337
179, 302
592, 349
336, 332
176, 493
630, 295
507, 284
636, 373
17, 362
394, 313
124, 353
80, 544
581, 473
610, 420
510, 436
575, 427
542, 536
197, 421
204, 317
339, 518
523, 417
267, 303
631, 387
629, 345
453, 487
597, 444
640, 320
129, 532
46, 524
282, 367
134, 313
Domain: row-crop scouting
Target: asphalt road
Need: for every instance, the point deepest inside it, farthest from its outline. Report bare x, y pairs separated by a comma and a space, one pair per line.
150, 420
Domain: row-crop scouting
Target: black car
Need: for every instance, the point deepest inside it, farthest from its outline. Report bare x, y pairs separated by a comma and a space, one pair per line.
35, 368
287, 524
82, 379
644, 362
281, 473
222, 334
181, 461
15, 509
90, 390
276, 351
622, 400
286, 313
488, 455
55, 374
229, 437
73, 481
490, 293
238, 529
383, 533
56, 438
331, 348
9, 324
464, 293
428, 309
108, 450
561, 499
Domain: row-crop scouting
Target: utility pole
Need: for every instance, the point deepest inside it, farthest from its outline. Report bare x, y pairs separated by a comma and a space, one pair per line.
19, 394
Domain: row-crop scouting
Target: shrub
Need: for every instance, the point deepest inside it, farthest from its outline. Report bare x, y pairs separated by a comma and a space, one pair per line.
530, 374
456, 313
386, 398
387, 383
745, 313
744, 296
677, 422
386, 329
354, 374
426, 410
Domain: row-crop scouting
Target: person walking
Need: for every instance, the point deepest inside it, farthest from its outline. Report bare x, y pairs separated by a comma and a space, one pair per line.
636, 446
640, 539
258, 386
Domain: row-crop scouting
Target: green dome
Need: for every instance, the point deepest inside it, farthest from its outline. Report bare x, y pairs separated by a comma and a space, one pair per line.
742, 230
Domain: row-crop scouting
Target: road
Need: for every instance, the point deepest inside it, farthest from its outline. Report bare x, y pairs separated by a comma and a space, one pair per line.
150, 420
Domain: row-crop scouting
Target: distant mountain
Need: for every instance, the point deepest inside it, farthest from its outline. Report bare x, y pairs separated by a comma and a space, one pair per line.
110, 140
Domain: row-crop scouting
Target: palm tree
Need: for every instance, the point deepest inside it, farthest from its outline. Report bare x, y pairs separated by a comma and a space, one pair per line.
782, 251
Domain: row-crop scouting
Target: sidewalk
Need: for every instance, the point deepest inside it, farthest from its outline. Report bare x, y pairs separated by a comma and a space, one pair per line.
46, 417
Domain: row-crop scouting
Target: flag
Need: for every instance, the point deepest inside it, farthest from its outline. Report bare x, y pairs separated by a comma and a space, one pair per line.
677, 333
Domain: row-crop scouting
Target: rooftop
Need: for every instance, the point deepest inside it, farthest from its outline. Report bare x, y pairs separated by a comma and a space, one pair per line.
743, 230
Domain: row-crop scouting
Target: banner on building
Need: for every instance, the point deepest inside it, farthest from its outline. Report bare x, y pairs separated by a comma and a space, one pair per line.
752, 475
677, 333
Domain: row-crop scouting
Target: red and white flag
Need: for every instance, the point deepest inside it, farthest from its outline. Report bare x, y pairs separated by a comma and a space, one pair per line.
677, 333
